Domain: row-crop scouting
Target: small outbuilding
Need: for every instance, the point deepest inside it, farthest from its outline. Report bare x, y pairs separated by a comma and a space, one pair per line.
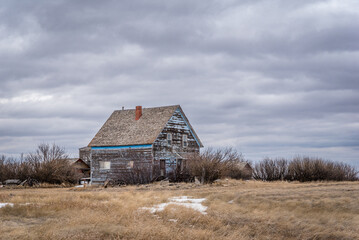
246, 170
80, 166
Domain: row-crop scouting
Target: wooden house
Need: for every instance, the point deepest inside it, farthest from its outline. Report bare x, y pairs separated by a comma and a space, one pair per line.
157, 140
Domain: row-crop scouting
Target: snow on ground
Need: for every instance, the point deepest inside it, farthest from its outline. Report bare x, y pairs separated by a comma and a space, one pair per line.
185, 201
6, 204
11, 204
79, 186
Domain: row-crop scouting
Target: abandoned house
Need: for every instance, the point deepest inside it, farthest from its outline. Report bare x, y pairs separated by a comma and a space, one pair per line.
155, 140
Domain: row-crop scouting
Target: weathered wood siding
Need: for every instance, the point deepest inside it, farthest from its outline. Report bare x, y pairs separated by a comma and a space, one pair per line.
84, 154
119, 162
177, 127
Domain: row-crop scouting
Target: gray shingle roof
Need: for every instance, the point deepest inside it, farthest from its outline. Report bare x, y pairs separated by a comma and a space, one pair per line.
122, 129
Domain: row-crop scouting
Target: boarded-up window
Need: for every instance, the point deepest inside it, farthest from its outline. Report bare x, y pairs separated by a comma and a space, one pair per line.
184, 140
169, 139
184, 164
179, 164
130, 164
104, 165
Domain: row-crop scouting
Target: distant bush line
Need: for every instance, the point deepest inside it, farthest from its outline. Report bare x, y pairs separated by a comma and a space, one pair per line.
47, 165
303, 169
212, 164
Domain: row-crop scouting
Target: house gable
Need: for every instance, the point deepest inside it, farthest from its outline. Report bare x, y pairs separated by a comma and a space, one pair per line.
189, 126
177, 126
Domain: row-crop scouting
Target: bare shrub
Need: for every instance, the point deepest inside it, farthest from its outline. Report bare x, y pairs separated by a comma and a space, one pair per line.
7, 168
179, 174
315, 169
47, 164
304, 169
139, 174
213, 164
11, 168
271, 170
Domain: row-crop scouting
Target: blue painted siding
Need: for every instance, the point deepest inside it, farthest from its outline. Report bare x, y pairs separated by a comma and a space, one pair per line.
123, 147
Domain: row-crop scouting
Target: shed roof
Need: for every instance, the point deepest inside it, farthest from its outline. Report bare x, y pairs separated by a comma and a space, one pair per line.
74, 161
243, 165
121, 128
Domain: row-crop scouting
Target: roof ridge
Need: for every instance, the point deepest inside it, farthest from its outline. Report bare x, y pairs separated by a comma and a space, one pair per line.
130, 109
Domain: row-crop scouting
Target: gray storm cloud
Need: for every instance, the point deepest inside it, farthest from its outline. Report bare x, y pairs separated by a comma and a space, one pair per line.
270, 78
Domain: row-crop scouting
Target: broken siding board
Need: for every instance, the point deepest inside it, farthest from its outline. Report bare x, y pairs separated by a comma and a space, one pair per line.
84, 154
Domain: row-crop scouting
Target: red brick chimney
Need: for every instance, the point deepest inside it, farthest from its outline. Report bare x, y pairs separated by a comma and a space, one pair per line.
138, 112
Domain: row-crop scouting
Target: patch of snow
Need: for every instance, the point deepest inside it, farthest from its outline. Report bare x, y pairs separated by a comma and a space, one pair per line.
6, 204
172, 220
80, 186
185, 201
11, 204
230, 201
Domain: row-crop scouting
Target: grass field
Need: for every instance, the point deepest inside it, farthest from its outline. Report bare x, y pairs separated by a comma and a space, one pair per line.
235, 210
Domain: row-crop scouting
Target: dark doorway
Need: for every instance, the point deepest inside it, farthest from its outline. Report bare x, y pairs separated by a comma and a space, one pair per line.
163, 167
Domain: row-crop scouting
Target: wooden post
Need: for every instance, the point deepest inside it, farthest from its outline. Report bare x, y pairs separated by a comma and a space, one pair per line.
203, 174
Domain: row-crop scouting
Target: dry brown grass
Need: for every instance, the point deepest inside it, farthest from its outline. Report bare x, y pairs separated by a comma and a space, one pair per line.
236, 210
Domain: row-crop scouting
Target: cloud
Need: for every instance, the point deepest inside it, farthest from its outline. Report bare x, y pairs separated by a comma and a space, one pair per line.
32, 98
271, 78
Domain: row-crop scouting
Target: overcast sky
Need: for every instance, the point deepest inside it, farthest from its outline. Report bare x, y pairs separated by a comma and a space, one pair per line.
270, 78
